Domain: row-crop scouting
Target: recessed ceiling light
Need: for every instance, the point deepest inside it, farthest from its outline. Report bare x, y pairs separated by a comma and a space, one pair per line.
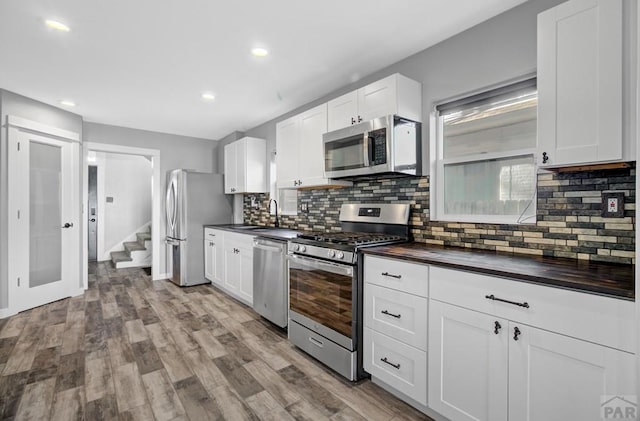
208, 96
67, 103
259, 52
58, 26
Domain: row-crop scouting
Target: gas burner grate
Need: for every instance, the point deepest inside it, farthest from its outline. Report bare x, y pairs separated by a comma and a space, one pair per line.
350, 238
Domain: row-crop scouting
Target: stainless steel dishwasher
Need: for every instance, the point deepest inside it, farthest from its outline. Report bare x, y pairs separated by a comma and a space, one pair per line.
270, 286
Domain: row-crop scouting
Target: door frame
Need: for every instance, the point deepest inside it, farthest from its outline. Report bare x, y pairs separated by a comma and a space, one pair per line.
15, 125
156, 195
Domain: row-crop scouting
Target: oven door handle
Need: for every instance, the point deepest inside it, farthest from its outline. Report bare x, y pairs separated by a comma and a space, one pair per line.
321, 265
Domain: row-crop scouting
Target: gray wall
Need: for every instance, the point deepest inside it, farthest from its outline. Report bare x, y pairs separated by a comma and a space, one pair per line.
490, 53
175, 152
16, 105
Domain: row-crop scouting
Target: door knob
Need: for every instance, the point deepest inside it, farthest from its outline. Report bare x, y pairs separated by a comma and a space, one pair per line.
92, 219
67, 225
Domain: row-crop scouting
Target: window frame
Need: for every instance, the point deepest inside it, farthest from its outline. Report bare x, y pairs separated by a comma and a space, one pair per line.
438, 162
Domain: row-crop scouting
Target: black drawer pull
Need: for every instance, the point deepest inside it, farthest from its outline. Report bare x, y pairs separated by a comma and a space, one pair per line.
391, 275
494, 298
396, 366
397, 316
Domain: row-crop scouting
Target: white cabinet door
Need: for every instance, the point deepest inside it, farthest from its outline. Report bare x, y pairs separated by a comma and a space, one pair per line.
377, 99
232, 266
245, 166
467, 364
313, 124
557, 378
219, 259
209, 260
241, 166
580, 83
230, 168
342, 111
287, 145
246, 269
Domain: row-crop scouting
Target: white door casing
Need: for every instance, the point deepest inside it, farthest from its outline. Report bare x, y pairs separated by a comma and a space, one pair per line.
43, 263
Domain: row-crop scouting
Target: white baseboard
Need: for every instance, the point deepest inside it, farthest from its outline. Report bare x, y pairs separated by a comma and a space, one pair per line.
7, 312
162, 276
77, 291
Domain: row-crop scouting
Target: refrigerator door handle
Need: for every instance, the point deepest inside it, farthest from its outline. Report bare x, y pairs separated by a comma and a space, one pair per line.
171, 205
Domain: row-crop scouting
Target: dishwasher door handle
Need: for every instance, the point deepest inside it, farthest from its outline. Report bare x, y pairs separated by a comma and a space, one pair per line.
262, 246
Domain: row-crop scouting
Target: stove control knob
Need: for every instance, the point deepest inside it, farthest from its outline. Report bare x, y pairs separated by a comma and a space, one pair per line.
295, 247
332, 253
303, 249
340, 255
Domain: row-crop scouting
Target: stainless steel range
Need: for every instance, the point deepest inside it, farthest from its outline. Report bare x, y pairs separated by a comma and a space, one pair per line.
325, 283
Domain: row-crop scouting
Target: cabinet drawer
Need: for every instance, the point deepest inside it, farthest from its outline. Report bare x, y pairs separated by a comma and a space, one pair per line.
397, 314
397, 274
603, 320
210, 233
400, 366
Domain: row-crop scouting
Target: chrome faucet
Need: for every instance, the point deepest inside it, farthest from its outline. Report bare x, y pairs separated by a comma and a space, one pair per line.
277, 223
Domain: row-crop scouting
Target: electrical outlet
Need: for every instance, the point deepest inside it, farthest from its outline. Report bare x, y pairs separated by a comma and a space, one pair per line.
304, 207
612, 204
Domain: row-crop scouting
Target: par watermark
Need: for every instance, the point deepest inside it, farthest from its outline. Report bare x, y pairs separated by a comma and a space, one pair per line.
618, 407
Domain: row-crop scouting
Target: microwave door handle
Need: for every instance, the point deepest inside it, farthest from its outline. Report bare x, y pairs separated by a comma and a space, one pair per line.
365, 149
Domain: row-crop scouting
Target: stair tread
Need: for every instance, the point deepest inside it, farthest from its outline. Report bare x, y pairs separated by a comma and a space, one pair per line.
143, 235
120, 256
133, 246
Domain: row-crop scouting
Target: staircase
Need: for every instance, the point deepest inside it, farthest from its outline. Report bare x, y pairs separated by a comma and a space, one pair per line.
136, 253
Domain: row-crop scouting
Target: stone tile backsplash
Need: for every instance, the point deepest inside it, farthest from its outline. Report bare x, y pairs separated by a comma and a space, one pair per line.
568, 222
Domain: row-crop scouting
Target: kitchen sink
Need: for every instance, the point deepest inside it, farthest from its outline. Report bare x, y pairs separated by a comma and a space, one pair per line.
248, 227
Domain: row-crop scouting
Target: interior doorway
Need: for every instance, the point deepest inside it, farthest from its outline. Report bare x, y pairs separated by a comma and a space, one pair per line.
150, 233
93, 213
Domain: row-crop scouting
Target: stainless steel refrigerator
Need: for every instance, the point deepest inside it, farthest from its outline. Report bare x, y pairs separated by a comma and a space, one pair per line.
194, 199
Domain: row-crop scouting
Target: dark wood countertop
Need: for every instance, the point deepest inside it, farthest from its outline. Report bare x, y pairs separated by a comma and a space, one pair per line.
613, 280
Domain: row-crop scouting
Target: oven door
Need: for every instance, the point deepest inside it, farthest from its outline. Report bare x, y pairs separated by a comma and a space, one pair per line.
322, 298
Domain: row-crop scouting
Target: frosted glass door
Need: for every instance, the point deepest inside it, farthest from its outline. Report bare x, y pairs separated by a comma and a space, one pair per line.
44, 202
45, 219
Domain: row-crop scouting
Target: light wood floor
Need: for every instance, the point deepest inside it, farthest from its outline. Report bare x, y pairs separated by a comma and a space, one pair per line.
134, 349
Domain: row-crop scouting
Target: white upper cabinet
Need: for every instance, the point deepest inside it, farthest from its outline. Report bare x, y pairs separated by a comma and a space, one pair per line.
245, 166
580, 84
395, 94
299, 151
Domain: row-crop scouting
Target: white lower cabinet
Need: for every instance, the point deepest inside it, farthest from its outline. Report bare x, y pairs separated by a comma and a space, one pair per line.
238, 263
395, 325
556, 378
467, 364
486, 368
228, 262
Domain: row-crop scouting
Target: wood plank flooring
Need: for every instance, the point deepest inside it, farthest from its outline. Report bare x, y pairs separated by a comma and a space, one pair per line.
134, 349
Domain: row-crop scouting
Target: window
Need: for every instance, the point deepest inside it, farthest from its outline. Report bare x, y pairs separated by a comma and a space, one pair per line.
483, 146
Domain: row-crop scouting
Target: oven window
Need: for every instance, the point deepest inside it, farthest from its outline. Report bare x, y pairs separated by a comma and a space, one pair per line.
322, 296
344, 154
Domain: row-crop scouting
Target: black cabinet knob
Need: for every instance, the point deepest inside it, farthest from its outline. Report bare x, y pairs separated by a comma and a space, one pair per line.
516, 333
545, 157
497, 327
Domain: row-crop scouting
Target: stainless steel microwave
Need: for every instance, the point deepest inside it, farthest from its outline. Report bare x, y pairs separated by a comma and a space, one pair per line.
388, 144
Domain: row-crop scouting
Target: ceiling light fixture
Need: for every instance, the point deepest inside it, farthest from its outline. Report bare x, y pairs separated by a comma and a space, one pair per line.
208, 96
67, 103
259, 52
58, 26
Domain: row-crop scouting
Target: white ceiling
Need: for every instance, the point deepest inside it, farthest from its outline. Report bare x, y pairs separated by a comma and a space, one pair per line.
145, 63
